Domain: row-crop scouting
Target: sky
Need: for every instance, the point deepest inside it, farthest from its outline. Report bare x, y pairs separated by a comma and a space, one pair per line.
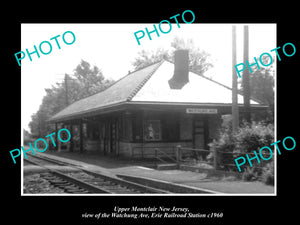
113, 48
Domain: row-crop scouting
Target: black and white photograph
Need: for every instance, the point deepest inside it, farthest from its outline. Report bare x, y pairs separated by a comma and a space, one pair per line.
178, 115
161, 117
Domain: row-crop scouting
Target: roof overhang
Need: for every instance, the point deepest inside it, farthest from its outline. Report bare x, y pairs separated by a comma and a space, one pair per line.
160, 106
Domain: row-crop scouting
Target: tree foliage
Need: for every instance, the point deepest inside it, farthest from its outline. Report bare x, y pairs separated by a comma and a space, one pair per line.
86, 81
146, 58
198, 59
249, 137
262, 83
262, 89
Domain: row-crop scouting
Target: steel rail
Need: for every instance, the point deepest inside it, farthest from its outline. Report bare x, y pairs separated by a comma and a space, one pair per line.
84, 185
128, 184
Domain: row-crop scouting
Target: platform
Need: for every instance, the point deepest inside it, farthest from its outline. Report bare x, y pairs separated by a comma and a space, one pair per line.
139, 168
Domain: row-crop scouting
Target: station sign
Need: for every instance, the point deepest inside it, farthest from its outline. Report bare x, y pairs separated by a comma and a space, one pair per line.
201, 111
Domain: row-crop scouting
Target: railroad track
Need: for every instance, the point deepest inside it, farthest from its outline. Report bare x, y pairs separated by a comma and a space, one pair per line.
82, 181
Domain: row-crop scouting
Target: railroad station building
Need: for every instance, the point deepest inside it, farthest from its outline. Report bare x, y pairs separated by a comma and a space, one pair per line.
159, 106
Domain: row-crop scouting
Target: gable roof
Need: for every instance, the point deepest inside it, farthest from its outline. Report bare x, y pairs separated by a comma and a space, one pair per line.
150, 85
120, 91
199, 89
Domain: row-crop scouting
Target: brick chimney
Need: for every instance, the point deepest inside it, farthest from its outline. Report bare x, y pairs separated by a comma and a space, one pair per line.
181, 71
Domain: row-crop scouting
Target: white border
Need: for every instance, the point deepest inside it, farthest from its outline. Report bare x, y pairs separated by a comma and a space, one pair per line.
162, 195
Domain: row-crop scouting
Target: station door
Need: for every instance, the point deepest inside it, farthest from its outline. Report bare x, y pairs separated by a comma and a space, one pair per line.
200, 134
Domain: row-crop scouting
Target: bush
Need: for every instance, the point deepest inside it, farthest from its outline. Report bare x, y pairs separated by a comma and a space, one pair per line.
252, 137
250, 174
249, 138
268, 174
224, 145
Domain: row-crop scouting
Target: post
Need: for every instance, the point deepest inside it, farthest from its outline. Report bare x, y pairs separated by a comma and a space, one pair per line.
105, 136
71, 141
246, 77
56, 131
66, 89
155, 155
215, 159
178, 154
235, 109
143, 130
81, 137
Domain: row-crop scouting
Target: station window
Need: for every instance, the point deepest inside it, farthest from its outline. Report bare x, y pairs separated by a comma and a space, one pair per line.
152, 130
126, 129
170, 129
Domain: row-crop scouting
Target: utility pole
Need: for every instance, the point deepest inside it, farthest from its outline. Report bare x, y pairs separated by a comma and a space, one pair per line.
246, 78
235, 108
66, 88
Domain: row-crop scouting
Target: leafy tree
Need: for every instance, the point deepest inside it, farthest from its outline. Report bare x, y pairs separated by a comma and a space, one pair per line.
86, 81
262, 83
262, 88
146, 58
198, 59
26, 136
